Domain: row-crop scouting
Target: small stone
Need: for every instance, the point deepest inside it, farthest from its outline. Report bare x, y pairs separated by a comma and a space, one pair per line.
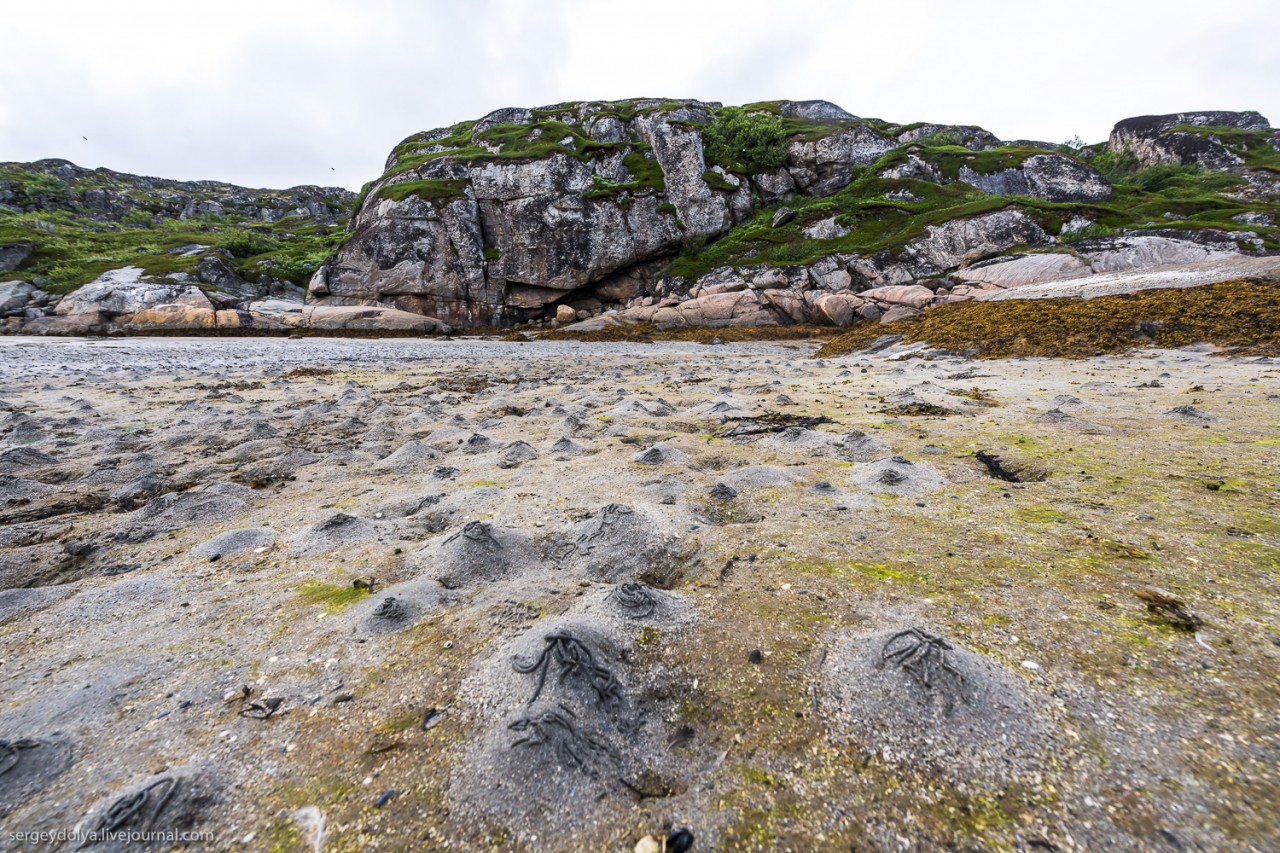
648, 844
722, 492
1030, 664
680, 841
756, 656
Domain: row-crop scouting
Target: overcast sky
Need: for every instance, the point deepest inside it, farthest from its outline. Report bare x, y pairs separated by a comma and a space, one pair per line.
274, 93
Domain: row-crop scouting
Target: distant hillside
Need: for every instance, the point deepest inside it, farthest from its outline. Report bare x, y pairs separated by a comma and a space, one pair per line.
70, 224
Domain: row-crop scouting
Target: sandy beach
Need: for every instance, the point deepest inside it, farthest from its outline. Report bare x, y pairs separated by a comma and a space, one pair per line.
469, 594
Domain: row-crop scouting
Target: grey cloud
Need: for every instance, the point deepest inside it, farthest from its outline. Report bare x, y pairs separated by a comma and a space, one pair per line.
279, 100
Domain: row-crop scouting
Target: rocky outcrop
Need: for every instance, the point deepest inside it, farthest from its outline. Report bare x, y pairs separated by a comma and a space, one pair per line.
21, 299
109, 196
1095, 256
971, 137
334, 318
1213, 269
960, 241
13, 254
524, 211
819, 167
212, 269
122, 291
814, 111
191, 311
126, 301
1019, 270
125, 297
915, 168
1142, 251
1155, 140
491, 233
840, 290
1051, 177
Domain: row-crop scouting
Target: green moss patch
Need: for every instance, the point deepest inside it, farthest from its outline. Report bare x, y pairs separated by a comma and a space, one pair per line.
436, 189
717, 181
334, 598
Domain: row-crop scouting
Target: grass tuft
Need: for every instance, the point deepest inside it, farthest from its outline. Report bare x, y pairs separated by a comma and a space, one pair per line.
334, 598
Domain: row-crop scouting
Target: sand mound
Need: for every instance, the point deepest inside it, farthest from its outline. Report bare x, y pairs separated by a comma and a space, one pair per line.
478, 553
910, 696
898, 475
179, 800
570, 724
761, 477
213, 504
337, 532
29, 764
619, 544
235, 542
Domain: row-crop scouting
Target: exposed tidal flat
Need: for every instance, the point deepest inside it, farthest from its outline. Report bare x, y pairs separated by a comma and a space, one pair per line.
475, 594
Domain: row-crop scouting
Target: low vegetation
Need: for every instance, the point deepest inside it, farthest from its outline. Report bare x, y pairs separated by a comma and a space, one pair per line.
879, 217
431, 189
72, 247
745, 141
1239, 317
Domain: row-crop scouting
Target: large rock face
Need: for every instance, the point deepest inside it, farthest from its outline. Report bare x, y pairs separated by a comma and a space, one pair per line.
525, 208
572, 210
1154, 140
509, 217
821, 166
